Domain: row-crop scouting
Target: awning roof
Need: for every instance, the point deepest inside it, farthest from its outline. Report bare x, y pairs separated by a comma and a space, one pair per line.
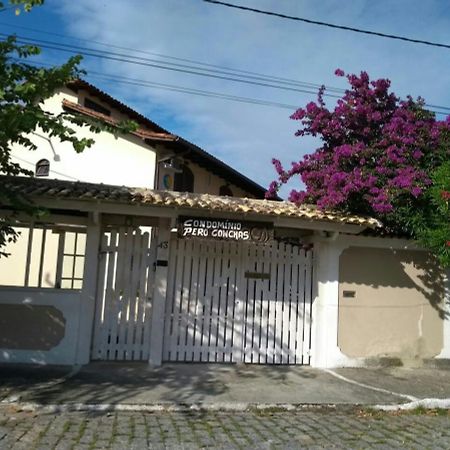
40, 188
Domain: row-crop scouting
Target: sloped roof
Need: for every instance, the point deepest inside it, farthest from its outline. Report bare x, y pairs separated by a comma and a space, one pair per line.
68, 190
140, 132
179, 145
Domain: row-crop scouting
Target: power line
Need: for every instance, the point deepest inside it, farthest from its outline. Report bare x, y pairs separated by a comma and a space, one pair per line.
330, 25
228, 70
183, 68
175, 88
160, 65
186, 90
175, 58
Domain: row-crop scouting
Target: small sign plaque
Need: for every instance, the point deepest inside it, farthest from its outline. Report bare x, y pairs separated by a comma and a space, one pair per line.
224, 229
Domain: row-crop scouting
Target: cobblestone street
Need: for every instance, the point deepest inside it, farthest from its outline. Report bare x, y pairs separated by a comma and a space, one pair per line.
255, 429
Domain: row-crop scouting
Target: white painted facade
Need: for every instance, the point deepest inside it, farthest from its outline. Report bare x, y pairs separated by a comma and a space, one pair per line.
122, 160
69, 303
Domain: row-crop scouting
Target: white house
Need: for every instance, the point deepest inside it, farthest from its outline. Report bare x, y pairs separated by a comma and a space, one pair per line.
205, 271
151, 157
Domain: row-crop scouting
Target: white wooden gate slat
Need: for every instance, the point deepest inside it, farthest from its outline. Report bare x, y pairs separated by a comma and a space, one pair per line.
170, 306
231, 302
114, 315
214, 313
199, 312
307, 310
105, 324
148, 281
213, 306
296, 319
141, 295
130, 318
100, 296
123, 296
286, 307
125, 282
265, 304
135, 325
190, 327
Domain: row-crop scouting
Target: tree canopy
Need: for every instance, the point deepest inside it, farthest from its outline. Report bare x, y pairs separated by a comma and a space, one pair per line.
379, 155
23, 88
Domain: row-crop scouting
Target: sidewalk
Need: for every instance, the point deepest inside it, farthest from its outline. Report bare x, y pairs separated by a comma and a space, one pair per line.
213, 384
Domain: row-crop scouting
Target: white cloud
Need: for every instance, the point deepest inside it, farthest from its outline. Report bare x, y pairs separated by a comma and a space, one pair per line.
247, 136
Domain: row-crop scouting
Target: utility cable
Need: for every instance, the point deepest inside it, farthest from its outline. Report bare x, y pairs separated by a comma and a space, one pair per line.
158, 65
178, 68
175, 88
330, 25
175, 58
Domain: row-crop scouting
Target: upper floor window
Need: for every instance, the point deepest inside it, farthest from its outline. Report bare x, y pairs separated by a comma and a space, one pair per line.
96, 107
225, 190
184, 180
42, 168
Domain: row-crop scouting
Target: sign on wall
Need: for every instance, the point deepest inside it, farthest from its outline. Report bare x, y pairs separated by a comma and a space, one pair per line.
224, 229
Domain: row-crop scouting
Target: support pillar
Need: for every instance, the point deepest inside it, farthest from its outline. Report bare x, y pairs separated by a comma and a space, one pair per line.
325, 352
88, 292
159, 294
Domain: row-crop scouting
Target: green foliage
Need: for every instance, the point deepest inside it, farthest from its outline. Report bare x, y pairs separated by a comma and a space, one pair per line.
431, 225
23, 88
27, 5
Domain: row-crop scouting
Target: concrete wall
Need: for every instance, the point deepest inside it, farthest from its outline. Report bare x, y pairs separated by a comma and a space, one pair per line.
39, 326
397, 308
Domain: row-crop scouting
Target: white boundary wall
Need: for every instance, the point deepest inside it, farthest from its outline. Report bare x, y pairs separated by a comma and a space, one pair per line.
325, 352
68, 302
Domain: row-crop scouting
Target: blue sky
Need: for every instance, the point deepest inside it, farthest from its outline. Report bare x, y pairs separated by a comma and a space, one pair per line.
243, 135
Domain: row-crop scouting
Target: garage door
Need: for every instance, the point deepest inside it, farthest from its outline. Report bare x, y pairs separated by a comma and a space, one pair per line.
238, 302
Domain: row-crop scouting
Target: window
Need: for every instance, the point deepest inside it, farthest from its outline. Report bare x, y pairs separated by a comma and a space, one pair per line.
96, 107
184, 181
69, 273
225, 190
42, 168
45, 256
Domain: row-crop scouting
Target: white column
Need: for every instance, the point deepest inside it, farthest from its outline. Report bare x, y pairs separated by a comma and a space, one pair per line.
445, 353
88, 292
325, 352
159, 295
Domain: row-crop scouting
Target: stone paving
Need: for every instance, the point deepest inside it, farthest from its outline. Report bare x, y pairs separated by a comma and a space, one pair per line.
268, 429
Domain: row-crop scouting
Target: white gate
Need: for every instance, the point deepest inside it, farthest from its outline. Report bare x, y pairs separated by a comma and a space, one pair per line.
124, 289
234, 302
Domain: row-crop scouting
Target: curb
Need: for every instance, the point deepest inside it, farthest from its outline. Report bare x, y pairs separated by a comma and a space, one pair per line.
427, 403
174, 407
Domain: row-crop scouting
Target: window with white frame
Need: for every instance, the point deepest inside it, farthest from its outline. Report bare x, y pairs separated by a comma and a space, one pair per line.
45, 256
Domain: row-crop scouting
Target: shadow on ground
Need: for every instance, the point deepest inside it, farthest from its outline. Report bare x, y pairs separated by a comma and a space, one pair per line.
137, 383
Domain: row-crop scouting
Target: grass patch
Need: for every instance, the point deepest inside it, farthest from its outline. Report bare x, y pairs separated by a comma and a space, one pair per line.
419, 411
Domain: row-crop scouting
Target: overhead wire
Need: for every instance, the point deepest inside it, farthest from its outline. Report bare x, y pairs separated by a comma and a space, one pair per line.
102, 54
329, 25
176, 88
255, 76
184, 68
175, 58
183, 89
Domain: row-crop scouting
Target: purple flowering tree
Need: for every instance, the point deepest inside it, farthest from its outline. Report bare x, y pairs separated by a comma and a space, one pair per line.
376, 157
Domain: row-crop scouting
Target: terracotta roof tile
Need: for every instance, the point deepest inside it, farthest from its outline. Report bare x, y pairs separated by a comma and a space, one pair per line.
140, 132
45, 188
